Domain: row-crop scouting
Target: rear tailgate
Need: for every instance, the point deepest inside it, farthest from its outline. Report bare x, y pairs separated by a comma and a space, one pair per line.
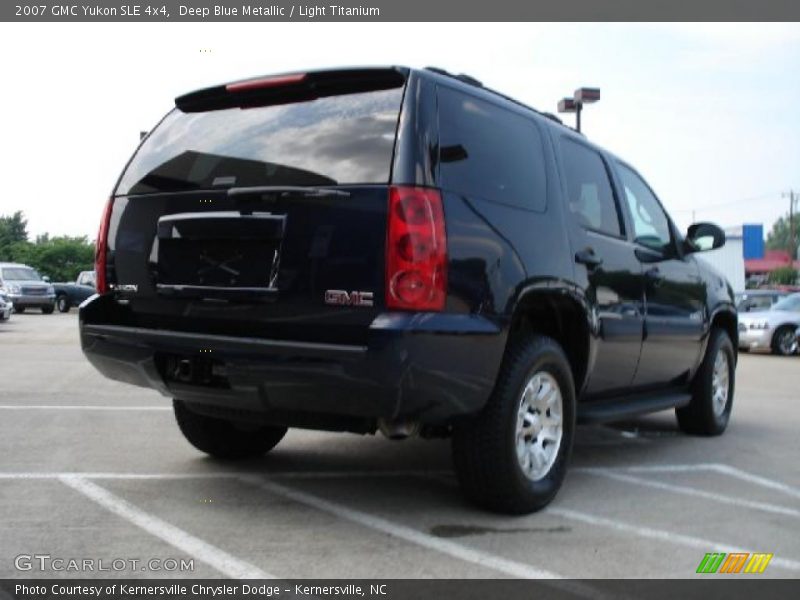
259, 209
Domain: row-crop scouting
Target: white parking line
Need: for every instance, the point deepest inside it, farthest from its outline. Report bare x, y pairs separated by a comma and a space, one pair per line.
79, 407
663, 535
229, 475
477, 557
719, 468
216, 558
690, 491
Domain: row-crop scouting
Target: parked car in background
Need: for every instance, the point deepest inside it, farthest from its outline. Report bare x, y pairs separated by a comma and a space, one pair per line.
758, 299
26, 288
72, 294
6, 307
772, 329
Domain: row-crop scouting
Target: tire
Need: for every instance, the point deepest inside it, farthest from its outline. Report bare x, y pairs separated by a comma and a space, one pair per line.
225, 439
485, 447
784, 342
63, 304
19, 309
48, 310
704, 415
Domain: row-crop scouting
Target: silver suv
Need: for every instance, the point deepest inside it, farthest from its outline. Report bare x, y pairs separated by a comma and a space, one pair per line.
26, 288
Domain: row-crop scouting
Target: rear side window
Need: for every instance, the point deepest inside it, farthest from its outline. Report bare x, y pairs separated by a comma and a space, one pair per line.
489, 152
334, 140
589, 193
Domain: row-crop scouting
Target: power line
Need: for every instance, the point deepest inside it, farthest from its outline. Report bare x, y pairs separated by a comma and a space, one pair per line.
773, 195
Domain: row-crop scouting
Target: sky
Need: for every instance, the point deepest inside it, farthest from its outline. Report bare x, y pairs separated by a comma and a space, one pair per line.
708, 113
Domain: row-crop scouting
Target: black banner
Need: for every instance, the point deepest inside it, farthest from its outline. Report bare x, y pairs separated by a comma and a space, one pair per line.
392, 10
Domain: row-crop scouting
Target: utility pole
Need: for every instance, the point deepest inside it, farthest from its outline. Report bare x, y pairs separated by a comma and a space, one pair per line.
792, 242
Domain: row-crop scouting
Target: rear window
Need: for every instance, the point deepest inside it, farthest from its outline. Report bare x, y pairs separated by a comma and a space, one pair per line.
336, 140
490, 152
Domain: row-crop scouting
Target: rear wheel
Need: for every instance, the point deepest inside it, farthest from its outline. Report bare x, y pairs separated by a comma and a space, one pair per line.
63, 303
709, 411
48, 310
784, 341
512, 457
226, 439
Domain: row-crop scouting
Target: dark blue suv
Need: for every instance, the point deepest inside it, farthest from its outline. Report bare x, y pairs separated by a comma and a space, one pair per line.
406, 251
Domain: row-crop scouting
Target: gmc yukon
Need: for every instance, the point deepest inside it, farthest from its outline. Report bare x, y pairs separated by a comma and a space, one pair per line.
406, 251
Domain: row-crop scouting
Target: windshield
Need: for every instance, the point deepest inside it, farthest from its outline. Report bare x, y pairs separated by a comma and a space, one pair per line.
20, 274
335, 140
790, 303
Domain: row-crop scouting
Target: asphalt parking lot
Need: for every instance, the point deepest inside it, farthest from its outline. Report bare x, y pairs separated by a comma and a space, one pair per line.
92, 469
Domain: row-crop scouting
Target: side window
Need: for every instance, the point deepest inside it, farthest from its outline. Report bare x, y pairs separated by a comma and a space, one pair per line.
490, 152
650, 223
589, 192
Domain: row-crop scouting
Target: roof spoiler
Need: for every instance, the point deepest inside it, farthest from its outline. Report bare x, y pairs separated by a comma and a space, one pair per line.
291, 87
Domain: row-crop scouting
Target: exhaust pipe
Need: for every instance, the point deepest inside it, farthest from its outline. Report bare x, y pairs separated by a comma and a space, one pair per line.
398, 430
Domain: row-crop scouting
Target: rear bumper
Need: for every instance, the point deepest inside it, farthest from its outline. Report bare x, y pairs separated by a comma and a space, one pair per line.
427, 367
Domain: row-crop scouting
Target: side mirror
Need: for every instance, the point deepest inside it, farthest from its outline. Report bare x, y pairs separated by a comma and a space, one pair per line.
46, 279
704, 236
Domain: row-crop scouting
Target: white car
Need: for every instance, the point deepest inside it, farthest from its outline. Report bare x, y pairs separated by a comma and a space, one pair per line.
773, 329
6, 307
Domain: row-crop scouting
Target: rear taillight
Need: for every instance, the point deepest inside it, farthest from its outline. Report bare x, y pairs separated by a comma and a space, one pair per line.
416, 250
101, 249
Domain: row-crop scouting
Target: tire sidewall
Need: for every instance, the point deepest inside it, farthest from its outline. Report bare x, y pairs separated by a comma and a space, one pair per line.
62, 304
720, 343
783, 329
553, 362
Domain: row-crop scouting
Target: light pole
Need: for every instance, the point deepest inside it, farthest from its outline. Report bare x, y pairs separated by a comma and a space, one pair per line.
575, 104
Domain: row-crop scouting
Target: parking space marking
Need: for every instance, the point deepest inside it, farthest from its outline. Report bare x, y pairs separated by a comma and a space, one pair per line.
719, 468
78, 407
225, 563
229, 475
690, 491
662, 535
419, 538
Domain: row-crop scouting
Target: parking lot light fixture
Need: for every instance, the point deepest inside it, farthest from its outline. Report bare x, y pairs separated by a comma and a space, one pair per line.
584, 95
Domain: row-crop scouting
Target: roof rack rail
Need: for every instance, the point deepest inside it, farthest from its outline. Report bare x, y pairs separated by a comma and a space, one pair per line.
461, 76
552, 117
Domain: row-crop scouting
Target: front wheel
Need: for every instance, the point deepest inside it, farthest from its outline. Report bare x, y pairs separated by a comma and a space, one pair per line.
48, 310
19, 309
63, 304
709, 411
226, 439
784, 341
512, 457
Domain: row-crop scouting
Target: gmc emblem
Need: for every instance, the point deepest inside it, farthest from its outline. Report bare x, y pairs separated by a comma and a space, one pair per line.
342, 298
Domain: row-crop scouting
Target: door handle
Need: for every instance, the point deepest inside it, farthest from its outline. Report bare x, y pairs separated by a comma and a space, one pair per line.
588, 257
654, 276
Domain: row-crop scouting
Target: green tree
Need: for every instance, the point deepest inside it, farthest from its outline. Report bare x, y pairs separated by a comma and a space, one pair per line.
13, 229
783, 276
61, 258
778, 238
